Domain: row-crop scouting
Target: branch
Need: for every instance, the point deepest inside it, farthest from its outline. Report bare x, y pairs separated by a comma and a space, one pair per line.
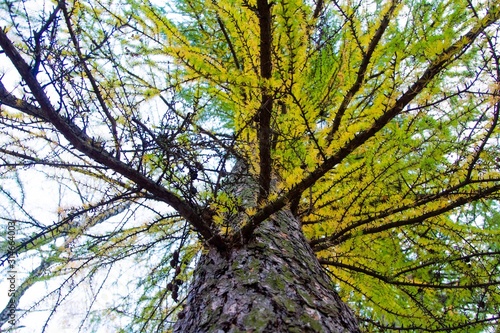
38, 40
21, 290
229, 43
411, 328
266, 106
83, 143
361, 71
31, 160
8, 99
318, 8
449, 260
343, 235
446, 57
92, 80
391, 281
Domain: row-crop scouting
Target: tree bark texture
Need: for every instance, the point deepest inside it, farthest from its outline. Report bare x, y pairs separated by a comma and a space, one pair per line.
272, 284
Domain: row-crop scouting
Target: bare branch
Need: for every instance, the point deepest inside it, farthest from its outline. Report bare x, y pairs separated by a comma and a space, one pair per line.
87, 146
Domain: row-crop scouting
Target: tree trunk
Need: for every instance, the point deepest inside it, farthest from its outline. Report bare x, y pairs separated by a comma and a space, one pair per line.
272, 284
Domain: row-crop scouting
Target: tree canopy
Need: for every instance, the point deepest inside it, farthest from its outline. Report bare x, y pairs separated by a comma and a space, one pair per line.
374, 122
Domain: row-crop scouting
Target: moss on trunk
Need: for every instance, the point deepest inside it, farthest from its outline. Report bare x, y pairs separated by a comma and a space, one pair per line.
272, 284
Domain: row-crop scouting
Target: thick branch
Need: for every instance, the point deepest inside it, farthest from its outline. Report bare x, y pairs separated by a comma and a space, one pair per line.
440, 62
265, 110
318, 8
87, 146
8, 99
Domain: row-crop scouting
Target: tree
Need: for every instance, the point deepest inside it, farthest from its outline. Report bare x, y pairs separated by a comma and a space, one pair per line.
275, 157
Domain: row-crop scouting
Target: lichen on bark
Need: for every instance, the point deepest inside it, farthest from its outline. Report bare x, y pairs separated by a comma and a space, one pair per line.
273, 283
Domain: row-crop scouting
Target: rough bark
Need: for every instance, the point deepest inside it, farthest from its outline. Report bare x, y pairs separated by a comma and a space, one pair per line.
272, 284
